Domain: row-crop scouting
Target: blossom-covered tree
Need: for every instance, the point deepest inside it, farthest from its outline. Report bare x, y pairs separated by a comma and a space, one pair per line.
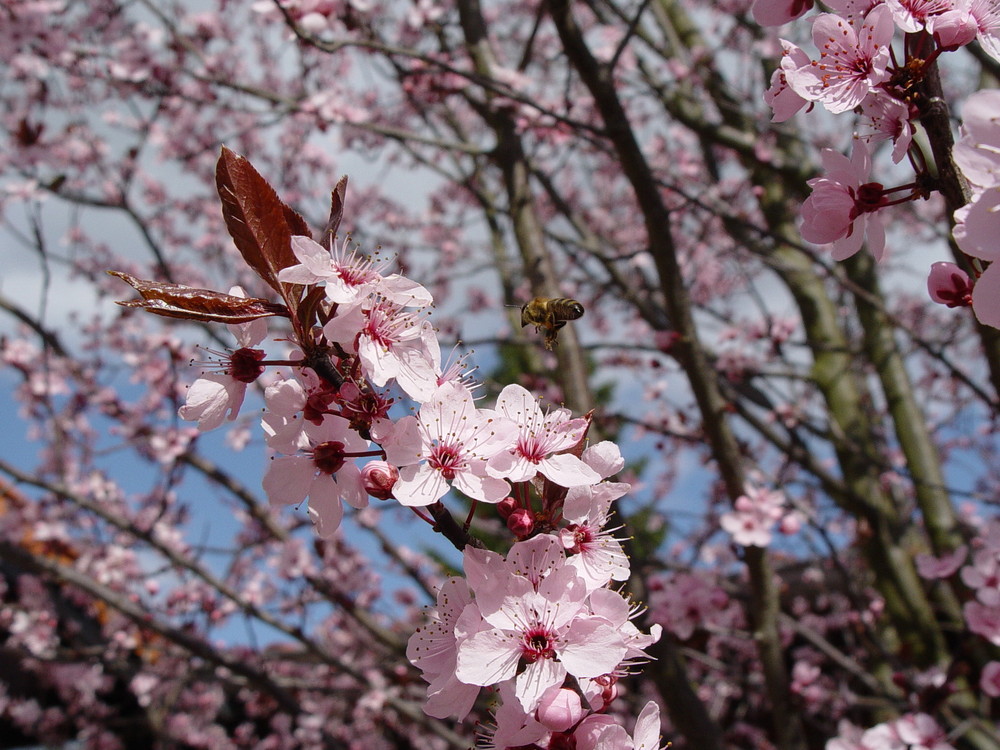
747, 501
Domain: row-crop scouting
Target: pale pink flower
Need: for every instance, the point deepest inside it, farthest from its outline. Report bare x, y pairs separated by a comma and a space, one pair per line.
559, 709
853, 62
882, 737
953, 28
913, 15
983, 575
753, 517
546, 629
325, 472
843, 207
989, 680
780, 97
595, 554
449, 441
890, 119
983, 620
514, 727
931, 567
947, 284
977, 152
433, 649
218, 395
391, 343
987, 16
598, 732
541, 442
349, 276
921, 732
977, 225
778, 12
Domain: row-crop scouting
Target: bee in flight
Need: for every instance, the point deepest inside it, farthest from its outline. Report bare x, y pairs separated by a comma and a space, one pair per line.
550, 314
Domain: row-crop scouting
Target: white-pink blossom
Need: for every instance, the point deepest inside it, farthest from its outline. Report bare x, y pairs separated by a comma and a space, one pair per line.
853, 60
449, 441
541, 443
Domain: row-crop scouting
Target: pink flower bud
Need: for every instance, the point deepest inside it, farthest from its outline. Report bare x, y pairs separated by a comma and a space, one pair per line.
559, 709
954, 28
949, 285
378, 478
506, 506
521, 523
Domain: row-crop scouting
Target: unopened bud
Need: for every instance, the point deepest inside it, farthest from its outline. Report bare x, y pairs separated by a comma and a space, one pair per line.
378, 478
521, 523
949, 285
506, 506
954, 28
559, 709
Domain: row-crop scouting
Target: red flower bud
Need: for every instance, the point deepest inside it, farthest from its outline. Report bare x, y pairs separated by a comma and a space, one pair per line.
378, 478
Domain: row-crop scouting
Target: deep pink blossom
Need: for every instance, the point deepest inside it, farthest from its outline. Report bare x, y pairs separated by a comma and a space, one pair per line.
843, 207
947, 284
778, 12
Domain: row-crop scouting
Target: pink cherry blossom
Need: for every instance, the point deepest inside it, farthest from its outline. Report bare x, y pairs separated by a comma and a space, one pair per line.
843, 207
976, 227
433, 649
325, 473
780, 97
987, 18
947, 284
921, 732
218, 395
778, 12
931, 567
853, 62
449, 441
753, 517
595, 554
559, 709
953, 28
890, 119
349, 276
989, 680
541, 443
977, 152
546, 629
391, 343
913, 15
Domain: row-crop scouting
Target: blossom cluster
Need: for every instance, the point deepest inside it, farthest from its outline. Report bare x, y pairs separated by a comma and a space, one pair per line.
542, 624
856, 69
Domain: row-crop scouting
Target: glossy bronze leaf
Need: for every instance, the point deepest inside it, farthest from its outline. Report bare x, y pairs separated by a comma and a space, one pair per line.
259, 223
192, 303
337, 198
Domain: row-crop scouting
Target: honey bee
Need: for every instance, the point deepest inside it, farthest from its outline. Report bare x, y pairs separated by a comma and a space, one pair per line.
550, 314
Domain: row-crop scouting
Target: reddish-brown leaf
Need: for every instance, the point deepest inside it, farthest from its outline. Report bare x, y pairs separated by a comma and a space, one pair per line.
191, 303
257, 219
337, 198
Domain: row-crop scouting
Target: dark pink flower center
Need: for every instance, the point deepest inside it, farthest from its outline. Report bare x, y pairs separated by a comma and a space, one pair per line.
538, 643
244, 365
869, 197
329, 457
447, 459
